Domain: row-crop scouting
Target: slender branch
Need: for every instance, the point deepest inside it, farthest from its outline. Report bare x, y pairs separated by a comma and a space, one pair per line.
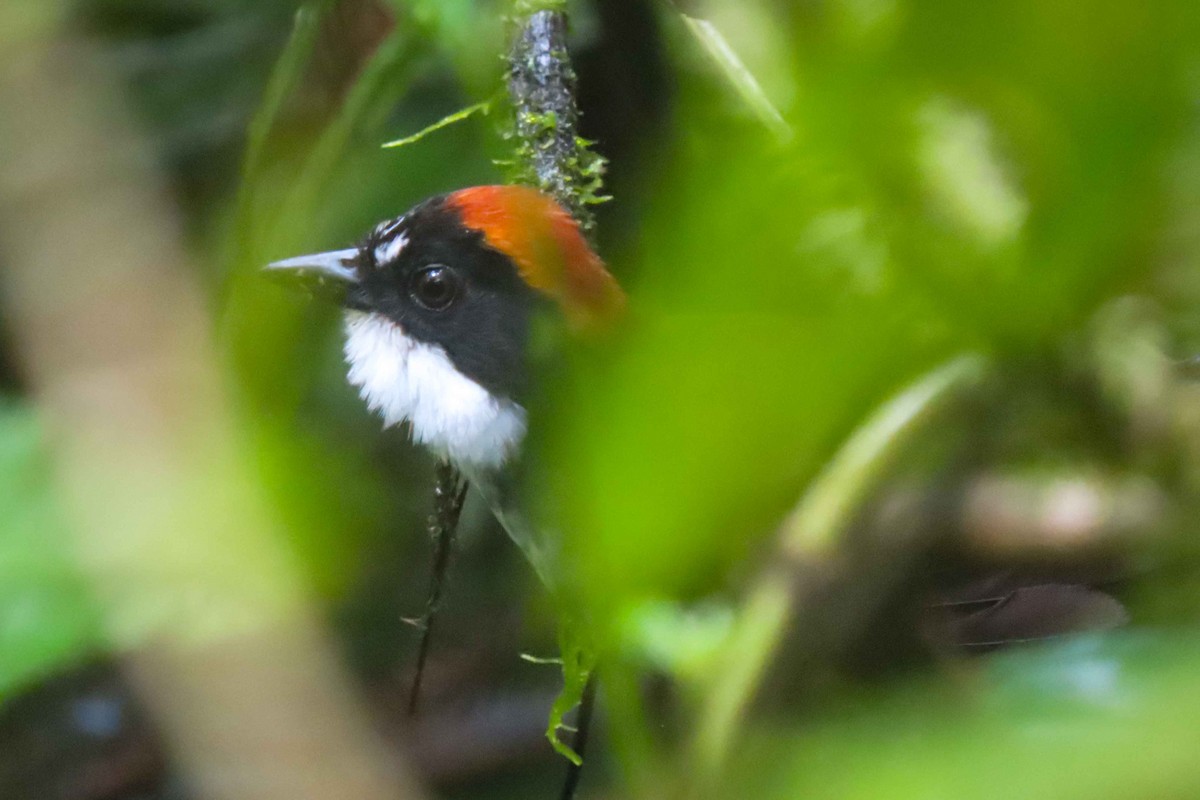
449, 494
583, 725
810, 535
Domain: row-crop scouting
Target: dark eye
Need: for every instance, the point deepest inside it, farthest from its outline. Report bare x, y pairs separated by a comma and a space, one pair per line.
435, 288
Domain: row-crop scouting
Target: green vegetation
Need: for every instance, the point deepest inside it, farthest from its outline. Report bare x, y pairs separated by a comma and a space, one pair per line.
914, 293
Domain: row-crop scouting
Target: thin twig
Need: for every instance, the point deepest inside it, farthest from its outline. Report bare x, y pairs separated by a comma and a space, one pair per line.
583, 724
449, 494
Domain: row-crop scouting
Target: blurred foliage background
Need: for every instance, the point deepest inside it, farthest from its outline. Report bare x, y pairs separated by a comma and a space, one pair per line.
887, 488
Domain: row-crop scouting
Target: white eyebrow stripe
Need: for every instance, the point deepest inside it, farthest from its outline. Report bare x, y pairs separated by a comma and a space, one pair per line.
391, 249
385, 229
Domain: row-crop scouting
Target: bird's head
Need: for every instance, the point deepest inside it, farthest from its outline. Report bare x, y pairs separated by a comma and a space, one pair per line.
438, 309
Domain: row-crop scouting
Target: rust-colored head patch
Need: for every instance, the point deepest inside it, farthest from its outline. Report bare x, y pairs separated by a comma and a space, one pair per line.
547, 246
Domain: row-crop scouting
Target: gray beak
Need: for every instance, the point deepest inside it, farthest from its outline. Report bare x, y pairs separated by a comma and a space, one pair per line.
320, 271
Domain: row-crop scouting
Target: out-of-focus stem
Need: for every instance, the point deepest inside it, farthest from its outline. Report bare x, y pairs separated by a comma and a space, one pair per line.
810, 536
171, 523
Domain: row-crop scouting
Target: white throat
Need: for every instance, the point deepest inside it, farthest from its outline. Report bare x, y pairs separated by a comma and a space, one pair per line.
406, 380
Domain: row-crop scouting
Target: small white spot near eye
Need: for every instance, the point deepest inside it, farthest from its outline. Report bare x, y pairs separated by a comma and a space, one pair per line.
385, 229
390, 250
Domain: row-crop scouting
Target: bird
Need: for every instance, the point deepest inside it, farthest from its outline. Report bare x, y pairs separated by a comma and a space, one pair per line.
439, 304
439, 307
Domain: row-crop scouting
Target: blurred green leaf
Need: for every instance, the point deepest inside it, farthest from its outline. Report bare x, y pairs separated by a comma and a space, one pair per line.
740, 78
981, 179
1095, 717
682, 642
47, 615
469, 32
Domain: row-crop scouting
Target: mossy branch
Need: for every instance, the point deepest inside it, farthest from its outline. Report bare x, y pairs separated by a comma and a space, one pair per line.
551, 154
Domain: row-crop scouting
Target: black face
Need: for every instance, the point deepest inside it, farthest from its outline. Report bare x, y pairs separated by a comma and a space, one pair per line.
443, 285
